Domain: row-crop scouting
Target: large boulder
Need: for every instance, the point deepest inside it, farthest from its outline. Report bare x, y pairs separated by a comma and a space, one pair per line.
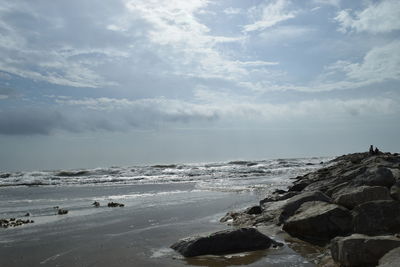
377, 217
354, 196
319, 222
295, 202
378, 176
390, 259
278, 197
361, 250
224, 242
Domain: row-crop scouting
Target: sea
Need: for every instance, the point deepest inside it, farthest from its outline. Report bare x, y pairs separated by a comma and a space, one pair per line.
183, 198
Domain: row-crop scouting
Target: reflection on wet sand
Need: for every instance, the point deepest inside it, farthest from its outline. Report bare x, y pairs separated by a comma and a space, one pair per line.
228, 260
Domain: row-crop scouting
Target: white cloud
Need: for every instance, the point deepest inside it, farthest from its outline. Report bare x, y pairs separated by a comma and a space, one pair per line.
286, 33
232, 11
335, 3
380, 17
226, 106
379, 64
268, 15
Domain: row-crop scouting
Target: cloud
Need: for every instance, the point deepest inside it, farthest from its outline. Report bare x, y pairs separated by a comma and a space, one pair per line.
380, 17
335, 3
286, 33
268, 15
232, 11
29, 122
119, 44
378, 65
111, 114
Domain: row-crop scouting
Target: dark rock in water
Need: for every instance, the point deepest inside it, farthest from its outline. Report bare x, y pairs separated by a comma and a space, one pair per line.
13, 222
5, 175
354, 196
254, 210
115, 204
319, 222
62, 211
361, 250
377, 217
295, 202
380, 176
96, 204
224, 242
395, 191
27, 214
390, 259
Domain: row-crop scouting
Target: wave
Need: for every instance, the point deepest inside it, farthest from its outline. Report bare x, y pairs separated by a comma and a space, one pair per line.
209, 173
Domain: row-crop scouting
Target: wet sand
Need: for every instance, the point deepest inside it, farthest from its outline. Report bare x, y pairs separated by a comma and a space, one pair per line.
137, 235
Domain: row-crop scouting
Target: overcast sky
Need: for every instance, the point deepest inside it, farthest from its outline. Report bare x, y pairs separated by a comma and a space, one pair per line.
124, 82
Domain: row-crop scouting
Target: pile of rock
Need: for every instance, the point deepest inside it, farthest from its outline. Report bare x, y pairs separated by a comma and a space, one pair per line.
12, 222
351, 205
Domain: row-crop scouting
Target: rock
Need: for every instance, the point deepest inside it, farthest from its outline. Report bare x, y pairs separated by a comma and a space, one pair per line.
390, 259
298, 186
278, 197
353, 196
380, 176
62, 211
395, 191
96, 204
319, 222
115, 204
295, 202
361, 250
279, 191
224, 242
254, 210
377, 217
13, 222
5, 175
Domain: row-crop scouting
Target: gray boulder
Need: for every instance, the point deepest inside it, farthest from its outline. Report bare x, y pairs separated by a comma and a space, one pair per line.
377, 217
390, 259
295, 202
319, 222
379, 176
277, 197
224, 242
254, 210
354, 196
361, 250
395, 191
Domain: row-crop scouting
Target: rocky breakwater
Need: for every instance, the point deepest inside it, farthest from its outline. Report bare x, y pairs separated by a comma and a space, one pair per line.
350, 208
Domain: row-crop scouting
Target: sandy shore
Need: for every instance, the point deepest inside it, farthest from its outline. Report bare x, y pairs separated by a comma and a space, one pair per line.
136, 235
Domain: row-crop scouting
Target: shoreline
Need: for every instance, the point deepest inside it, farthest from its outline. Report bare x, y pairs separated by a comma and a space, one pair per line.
157, 215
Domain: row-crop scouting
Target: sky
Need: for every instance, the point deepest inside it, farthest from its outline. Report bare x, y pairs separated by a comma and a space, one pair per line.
117, 83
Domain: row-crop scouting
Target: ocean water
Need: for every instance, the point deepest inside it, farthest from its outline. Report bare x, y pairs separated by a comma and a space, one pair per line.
162, 204
39, 192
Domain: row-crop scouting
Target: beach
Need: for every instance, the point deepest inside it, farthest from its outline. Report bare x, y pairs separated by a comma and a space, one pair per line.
159, 209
